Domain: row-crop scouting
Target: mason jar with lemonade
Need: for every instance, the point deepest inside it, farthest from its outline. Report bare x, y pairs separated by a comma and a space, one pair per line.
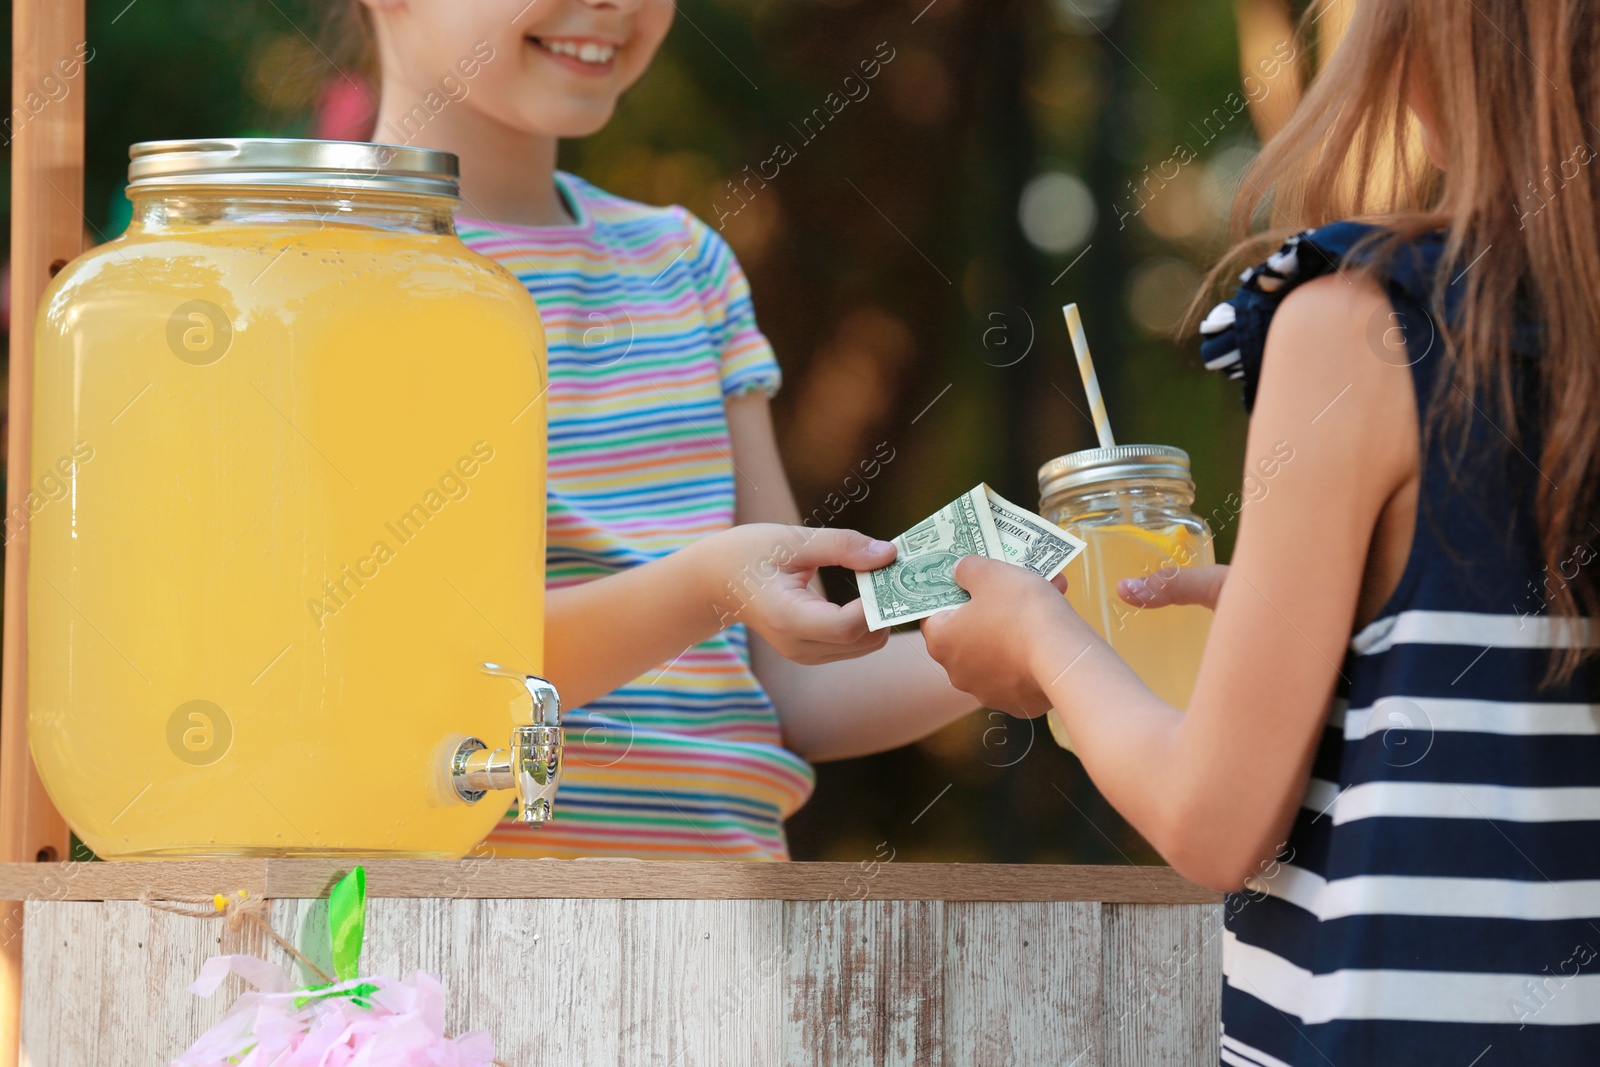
1132, 505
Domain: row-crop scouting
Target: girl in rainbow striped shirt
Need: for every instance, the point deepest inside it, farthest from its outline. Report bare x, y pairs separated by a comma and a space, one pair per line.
684, 621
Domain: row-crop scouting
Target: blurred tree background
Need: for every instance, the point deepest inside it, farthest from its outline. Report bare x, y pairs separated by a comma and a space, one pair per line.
909, 262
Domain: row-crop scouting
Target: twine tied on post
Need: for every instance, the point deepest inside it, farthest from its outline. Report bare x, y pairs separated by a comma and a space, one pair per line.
235, 912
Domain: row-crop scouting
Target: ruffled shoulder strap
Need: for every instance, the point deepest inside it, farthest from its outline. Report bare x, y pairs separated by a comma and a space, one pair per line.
1234, 335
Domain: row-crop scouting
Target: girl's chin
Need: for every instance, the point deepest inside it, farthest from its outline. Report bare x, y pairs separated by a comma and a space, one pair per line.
564, 121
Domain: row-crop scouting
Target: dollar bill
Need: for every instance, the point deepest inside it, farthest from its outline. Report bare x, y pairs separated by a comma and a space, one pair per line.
1029, 540
919, 582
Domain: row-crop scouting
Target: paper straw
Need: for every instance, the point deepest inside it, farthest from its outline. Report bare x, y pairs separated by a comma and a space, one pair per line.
1091, 384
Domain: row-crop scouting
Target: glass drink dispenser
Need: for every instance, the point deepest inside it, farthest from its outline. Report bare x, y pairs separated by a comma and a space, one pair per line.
286, 586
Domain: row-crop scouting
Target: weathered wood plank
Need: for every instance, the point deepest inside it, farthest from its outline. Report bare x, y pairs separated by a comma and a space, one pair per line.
680, 959
544, 977
408, 935
1161, 969
150, 958
619, 879
112, 982
678, 983
62, 967
1022, 983
284, 915
863, 983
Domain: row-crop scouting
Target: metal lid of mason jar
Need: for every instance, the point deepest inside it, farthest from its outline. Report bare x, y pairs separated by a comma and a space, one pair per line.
354, 165
1119, 462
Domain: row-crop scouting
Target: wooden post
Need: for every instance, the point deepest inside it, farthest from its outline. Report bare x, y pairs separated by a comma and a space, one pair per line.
46, 129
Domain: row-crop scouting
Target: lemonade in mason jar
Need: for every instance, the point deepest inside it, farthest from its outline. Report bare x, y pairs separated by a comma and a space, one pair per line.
1132, 505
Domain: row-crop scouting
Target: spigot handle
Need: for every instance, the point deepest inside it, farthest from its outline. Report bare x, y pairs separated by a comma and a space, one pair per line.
545, 703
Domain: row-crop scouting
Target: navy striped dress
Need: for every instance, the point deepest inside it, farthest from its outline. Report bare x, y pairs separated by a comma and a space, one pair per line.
1438, 899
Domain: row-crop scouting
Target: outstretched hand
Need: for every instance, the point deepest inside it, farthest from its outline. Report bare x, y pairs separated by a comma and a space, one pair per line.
765, 578
988, 646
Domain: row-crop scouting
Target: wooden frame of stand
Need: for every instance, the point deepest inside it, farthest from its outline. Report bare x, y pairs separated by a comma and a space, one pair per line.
46, 233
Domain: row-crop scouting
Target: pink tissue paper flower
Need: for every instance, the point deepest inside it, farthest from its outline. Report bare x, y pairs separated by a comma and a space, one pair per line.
377, 1022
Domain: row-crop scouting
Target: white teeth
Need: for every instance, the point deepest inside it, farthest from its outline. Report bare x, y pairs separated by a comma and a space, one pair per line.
587, 52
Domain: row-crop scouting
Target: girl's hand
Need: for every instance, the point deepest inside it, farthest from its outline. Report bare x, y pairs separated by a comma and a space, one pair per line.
987, 646
762, 574
1185, 585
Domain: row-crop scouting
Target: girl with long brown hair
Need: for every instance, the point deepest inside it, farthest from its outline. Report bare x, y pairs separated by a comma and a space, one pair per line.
1391, 761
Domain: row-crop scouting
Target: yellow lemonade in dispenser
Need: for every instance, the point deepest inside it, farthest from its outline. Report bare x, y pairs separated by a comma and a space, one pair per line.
1131, 505
305, 432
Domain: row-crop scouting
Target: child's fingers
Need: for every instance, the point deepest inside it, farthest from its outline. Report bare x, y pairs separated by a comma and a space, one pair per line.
972, 573
934, 629
824, 632
843, 548
1180, 586
869, 644
819, 622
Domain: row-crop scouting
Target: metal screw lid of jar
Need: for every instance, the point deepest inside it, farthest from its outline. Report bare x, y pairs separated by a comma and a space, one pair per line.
1139, 462
270, 161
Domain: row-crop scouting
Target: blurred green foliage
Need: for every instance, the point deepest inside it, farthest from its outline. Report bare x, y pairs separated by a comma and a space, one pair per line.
909, 263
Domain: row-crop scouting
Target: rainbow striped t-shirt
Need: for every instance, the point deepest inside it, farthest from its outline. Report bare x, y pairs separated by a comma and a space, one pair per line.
649, 324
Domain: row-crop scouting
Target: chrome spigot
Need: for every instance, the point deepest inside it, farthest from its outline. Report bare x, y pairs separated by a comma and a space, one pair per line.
532, 763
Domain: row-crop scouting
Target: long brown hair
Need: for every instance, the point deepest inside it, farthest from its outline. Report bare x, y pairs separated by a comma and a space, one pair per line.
1516, 92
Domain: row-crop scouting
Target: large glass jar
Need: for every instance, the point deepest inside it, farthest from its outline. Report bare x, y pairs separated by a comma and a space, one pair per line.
289, 436
1132, 505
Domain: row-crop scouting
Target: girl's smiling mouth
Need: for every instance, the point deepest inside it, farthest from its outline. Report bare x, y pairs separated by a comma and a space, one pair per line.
582, 55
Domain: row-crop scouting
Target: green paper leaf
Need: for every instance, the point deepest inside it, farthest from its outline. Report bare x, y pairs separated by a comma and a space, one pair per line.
357, 994
347, 922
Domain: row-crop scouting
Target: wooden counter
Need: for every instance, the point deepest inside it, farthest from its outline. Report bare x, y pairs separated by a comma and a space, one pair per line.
628, 962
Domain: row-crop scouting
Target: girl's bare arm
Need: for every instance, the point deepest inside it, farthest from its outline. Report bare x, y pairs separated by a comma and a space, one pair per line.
847, 708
